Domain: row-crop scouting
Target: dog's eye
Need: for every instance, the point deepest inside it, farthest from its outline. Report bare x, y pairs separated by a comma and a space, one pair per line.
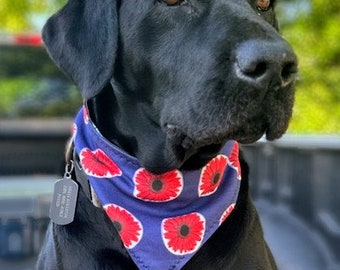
265, 9
263, 4
173, 2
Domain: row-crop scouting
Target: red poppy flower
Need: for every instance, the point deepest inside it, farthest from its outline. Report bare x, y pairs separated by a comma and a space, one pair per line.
211, 175
98, 164
234, 160
227, 212
157, 188
183, 234
128, 226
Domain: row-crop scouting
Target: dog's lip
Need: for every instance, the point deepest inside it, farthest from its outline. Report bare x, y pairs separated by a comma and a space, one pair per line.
274, 134
269, 134
192, 147
204, 144
248, 139
192, 152
187, 142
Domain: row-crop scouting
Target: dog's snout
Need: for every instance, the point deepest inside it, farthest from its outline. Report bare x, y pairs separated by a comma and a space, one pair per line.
265, 64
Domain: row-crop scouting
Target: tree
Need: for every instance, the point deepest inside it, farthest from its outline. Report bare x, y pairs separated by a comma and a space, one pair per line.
16, 15
315, 36
30, 83
314, 33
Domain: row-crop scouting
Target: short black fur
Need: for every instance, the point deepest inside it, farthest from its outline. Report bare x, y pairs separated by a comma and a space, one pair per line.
170, 84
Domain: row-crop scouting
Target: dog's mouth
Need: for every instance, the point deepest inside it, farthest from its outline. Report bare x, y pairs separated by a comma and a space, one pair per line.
194, 151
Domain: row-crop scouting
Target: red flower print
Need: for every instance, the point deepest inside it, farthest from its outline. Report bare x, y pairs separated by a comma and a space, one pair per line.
128, 226
85, 115
157, 188
234, 160
211, 175
227, 212
98, 164
183, 234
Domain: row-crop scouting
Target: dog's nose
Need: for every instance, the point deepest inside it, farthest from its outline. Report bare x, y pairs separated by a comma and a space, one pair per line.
266, 64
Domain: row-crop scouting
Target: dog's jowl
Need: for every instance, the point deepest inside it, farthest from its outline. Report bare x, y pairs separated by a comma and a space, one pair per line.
170, 89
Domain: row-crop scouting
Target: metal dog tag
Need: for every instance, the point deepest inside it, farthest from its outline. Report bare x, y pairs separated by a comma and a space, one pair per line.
64, 200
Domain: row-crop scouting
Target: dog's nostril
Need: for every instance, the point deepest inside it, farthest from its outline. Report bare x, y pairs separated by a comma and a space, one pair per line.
288, 73
256, 70
265, 64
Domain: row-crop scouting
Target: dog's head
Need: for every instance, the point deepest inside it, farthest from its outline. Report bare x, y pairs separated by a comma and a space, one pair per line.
184, 76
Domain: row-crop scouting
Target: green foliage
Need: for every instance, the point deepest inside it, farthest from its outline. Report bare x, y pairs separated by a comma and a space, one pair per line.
315, 37
16, 15
32, 85
314, 34
12, 90
30, 61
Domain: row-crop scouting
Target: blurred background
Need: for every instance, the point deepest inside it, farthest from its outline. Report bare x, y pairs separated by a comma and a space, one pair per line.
295, 181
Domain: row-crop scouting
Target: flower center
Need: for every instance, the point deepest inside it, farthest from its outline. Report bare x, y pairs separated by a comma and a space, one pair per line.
117, 225
216, 178
157, 185
184, 230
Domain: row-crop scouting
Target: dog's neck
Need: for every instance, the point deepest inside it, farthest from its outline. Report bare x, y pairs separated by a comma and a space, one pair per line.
127, 122
162, 219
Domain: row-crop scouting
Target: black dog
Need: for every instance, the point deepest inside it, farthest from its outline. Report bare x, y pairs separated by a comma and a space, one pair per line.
170, 82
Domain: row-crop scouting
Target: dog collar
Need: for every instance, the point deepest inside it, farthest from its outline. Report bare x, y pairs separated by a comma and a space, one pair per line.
163, 219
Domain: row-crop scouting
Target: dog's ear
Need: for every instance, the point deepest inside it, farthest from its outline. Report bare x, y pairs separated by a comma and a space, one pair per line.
82, 39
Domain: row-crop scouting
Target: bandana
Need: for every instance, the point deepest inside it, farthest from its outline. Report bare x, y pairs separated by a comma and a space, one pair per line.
163, 219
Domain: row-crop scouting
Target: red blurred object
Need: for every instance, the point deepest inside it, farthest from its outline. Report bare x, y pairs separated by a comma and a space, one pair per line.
21, 40
26, 39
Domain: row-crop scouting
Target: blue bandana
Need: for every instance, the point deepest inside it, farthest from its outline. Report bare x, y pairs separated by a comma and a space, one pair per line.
164, 219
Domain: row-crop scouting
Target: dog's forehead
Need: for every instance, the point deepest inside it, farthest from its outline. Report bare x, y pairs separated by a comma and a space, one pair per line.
139, 5
189, 10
